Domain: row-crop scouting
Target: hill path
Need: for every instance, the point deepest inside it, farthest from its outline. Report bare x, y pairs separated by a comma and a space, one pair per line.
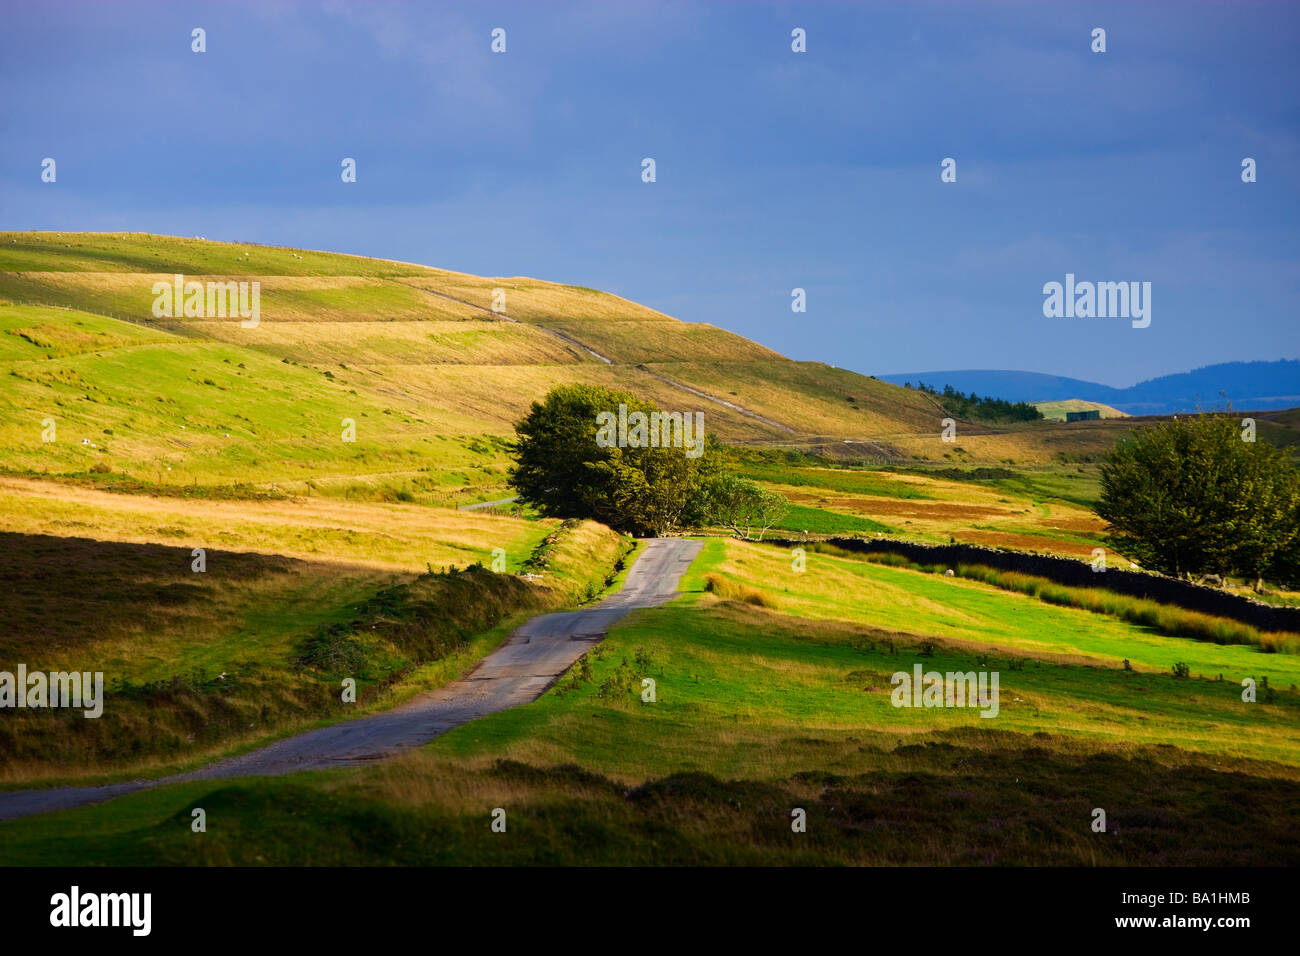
740, 409
721, 401
501, 315
519, 671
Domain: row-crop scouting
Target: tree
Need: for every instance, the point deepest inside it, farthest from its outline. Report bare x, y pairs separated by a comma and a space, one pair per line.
712, 464
1190, 496
974, 407
563, 470
741, 505
1284, 569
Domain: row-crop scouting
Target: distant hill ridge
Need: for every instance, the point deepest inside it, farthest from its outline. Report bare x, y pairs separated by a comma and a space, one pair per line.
1257, 385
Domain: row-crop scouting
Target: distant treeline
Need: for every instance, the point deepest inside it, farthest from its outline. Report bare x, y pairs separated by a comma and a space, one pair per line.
972, 406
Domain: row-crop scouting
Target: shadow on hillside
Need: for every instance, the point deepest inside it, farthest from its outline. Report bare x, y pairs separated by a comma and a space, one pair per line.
64, 592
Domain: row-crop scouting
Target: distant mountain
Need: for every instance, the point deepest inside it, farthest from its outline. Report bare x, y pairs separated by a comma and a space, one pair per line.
1247, 385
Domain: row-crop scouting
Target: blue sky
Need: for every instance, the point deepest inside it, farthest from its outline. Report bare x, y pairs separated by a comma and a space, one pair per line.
775, 170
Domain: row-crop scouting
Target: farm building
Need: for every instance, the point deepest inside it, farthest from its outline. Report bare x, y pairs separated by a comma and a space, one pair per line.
1084, 416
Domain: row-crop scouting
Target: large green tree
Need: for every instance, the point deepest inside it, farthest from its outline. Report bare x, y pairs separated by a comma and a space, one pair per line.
1193, 496
562, 469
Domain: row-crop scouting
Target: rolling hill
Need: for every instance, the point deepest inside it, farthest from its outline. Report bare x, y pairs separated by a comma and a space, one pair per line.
413, 357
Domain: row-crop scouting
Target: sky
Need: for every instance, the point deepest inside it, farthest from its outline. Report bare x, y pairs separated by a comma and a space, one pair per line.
774, 169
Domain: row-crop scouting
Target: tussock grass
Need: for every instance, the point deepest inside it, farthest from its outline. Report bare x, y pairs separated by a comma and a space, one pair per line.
729, 590
879, 807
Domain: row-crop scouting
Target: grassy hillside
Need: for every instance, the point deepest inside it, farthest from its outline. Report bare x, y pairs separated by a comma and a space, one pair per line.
414, 356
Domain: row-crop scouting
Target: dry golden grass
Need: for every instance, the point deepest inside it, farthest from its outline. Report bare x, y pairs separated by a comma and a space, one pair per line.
534, 300
810, 397
498, 396
390, 536
198, 663
472, 341
968, 512
1029, 444
634, 341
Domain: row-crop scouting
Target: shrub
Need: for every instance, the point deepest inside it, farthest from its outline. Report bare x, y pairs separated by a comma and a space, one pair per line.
623, 681
730, 590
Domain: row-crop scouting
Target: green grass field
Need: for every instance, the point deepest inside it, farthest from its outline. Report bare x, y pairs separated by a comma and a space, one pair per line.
759, 711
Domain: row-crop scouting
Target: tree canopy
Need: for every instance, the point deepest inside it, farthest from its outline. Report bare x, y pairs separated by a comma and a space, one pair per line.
563, 470
1193, 496
973, 407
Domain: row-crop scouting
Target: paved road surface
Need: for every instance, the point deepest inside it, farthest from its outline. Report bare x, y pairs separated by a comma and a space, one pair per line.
517, 672
489, 504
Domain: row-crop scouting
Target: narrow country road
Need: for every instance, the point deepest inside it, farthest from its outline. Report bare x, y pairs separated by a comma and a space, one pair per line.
517, 672
488, 504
